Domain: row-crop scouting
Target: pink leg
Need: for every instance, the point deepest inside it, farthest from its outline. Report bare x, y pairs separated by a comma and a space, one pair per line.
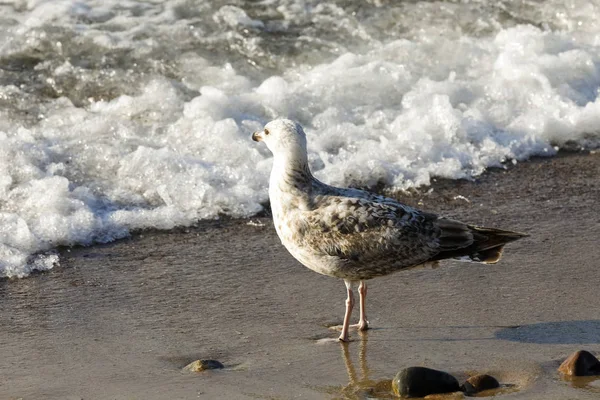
349, 304
363, 324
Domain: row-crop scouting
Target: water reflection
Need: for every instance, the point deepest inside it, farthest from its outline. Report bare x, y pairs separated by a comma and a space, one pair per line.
590, 383
360, 385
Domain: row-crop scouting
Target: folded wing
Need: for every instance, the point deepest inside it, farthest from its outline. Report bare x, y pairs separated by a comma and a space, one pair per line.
379, 229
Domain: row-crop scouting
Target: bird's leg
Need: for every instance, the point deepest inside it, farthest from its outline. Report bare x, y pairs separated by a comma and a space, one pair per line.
363, 324
349, 304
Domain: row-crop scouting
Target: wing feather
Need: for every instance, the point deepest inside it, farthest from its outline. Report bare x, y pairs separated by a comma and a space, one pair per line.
378, 229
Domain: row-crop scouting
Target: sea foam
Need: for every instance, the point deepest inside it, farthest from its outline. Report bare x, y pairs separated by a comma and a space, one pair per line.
110, 137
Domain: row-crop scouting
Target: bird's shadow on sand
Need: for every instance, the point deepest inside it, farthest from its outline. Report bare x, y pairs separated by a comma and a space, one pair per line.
559, 332
556, 332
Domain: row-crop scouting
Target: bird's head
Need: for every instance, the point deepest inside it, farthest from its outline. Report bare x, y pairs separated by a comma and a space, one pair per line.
284, 138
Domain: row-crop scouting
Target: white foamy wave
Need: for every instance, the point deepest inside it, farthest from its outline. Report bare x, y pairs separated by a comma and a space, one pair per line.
93, 148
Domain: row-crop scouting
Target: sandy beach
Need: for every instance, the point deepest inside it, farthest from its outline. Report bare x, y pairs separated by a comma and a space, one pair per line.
119, 321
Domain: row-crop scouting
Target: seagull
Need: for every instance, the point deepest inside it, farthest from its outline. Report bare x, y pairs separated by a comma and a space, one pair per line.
357, 235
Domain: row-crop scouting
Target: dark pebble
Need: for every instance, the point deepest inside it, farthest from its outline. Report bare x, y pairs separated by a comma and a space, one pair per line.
479, 383
203, 365
421, 381
580, 363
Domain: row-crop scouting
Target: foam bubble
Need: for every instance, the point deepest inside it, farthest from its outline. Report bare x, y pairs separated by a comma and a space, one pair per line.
234, 16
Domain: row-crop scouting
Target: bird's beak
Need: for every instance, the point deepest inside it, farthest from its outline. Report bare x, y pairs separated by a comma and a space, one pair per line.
257, 136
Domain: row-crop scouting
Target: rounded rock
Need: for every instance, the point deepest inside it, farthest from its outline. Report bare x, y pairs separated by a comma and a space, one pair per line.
479, 383
580, 363
422, 381
203, 365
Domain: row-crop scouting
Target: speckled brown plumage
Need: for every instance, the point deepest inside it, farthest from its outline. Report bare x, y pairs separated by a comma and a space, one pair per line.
357, 235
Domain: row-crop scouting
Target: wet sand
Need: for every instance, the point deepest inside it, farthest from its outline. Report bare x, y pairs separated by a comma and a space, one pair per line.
119, 321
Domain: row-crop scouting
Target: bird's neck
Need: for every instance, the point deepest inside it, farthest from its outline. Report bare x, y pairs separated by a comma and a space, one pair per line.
290, 179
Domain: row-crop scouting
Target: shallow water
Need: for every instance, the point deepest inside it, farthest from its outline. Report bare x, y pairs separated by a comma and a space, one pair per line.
117, 116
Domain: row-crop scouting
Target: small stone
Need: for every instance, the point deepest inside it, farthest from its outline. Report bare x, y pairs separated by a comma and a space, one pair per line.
421, 381
203, 365
479, 383
580, 363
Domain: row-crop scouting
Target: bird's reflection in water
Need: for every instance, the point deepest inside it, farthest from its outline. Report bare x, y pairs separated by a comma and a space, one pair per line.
362, 386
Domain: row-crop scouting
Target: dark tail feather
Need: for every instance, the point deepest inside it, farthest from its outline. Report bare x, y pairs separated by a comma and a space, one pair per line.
487, 245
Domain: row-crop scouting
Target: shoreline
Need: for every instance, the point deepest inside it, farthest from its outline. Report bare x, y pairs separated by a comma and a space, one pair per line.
120, 320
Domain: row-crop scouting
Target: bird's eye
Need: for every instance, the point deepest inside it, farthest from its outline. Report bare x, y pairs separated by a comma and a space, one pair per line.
267, 131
